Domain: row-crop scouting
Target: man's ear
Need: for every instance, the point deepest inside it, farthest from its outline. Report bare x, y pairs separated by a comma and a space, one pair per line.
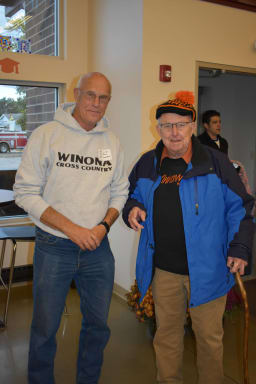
76, 94
158, 129
206, 126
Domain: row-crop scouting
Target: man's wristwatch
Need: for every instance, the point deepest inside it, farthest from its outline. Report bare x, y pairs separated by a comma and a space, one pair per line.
106, 225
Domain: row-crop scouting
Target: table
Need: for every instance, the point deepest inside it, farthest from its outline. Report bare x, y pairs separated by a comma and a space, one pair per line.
16, 233
6, 195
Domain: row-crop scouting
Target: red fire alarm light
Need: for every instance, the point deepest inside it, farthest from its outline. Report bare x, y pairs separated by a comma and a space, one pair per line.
165, 73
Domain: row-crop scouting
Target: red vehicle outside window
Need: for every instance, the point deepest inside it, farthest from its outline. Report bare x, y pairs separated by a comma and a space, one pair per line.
12, 140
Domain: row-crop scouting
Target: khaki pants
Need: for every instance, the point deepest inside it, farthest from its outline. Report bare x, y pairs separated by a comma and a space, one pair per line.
171, 294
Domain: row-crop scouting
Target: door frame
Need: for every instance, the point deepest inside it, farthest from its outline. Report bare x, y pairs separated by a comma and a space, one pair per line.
225, 67
235, 69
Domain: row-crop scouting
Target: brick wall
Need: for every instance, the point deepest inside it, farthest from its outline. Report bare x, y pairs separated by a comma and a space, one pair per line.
40, 29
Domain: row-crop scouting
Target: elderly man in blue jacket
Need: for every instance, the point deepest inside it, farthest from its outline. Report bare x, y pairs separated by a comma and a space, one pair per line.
196, 232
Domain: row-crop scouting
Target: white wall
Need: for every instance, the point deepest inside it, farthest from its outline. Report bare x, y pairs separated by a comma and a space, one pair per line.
233, 95
181, 33
115, 48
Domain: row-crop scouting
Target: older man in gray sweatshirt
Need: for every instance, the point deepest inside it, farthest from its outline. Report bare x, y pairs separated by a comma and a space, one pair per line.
72, 183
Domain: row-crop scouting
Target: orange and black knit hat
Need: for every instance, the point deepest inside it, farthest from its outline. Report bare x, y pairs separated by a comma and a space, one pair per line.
182, 105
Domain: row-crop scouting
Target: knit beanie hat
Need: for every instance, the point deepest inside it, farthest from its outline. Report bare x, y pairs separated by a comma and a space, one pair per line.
182, 105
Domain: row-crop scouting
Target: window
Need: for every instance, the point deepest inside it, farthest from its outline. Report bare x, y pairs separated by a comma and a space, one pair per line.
29, 26
22, 109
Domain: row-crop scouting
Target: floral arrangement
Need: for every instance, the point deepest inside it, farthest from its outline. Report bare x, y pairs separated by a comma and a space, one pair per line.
145, 310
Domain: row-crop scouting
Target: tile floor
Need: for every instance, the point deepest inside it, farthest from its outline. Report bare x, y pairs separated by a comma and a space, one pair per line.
129, 356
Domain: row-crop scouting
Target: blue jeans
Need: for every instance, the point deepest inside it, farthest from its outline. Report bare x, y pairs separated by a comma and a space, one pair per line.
56, 262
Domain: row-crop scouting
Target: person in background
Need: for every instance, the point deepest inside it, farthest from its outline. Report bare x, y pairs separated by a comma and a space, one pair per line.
196, 227
72, 183
212, 124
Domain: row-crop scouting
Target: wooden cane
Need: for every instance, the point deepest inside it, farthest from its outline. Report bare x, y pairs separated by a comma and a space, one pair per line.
246, 327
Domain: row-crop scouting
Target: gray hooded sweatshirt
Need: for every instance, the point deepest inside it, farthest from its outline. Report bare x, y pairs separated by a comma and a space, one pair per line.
77, 172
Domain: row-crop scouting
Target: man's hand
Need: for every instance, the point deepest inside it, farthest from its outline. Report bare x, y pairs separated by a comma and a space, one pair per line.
88, 238
100, 232
236, 265
85, 238
136, 215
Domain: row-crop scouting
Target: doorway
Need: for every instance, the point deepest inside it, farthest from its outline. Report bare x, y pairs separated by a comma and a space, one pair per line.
231, 91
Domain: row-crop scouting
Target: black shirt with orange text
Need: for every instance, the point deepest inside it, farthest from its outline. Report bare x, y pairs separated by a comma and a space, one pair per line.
170, 247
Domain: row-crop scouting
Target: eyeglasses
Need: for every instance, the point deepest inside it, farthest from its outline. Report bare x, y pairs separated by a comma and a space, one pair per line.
179, 126
91, 96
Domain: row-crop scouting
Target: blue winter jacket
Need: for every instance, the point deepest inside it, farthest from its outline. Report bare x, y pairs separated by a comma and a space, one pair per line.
216, 213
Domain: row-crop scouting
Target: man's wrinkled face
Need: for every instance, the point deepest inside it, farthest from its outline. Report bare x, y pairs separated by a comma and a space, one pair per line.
175, 132
214, 126
92, 99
